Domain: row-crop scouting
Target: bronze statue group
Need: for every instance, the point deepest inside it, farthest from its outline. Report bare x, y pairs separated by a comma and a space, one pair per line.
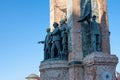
56, 42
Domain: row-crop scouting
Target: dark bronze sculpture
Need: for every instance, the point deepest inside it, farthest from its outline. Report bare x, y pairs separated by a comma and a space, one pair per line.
90, 31
56, 41
47, 44
95, 35
86, 11
91, 37
64, 38
85, 22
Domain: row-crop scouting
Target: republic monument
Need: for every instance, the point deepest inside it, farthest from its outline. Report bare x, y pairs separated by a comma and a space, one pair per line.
83, 52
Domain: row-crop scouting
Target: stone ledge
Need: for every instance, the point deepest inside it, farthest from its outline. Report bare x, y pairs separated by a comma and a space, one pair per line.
54, 64
75, 63
100, 58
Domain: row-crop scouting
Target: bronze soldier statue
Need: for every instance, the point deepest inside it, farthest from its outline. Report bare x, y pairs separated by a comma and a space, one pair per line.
47, 44
86, 11
56, 41
64, 37
95, 35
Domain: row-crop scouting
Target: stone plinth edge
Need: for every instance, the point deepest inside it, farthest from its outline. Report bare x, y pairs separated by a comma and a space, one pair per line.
75, 63
54, 64
100, 58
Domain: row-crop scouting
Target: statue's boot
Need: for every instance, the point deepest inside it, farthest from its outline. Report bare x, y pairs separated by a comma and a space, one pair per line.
81, 19
84, 17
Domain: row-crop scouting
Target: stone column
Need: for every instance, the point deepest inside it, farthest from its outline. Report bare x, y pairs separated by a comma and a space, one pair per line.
75, 40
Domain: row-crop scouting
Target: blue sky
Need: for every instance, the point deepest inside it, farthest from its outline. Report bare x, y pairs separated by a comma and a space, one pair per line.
23, 23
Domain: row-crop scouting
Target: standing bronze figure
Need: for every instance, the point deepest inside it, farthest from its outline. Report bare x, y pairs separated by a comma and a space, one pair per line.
64, 38
95, 35
47, 44
56, 41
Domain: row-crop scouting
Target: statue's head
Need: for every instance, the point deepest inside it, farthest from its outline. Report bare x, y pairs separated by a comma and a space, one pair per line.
62, 22
55, 24
48, 30
94, 17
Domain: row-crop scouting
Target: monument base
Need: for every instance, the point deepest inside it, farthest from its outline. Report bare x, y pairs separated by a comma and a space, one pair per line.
100, 66
54, 70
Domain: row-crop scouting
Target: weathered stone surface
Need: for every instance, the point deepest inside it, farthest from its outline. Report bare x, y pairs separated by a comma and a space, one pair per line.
75, 72
100, 66
54, 70
57, 11
75, 69
75, 42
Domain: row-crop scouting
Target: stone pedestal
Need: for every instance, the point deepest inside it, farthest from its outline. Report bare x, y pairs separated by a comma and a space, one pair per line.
100, 66
54, 70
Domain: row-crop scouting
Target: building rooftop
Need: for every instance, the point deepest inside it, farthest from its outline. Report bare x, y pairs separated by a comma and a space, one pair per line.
32, 76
